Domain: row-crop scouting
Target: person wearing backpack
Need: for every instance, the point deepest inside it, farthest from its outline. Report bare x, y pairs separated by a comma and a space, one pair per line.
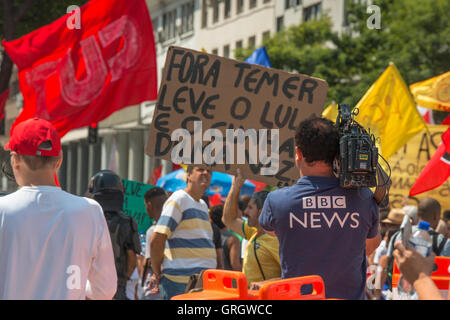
107, 189
429, 210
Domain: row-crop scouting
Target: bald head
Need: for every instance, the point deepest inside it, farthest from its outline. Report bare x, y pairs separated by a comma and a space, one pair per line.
429, 210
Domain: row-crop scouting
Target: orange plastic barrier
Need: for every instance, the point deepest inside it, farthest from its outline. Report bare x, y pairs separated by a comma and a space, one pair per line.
218, 285
440, 276
232, 285
290, 289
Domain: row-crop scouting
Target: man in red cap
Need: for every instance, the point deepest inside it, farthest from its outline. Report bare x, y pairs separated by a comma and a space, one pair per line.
53, 245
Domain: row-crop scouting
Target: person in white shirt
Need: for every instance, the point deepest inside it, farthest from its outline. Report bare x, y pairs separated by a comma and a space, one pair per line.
53, 245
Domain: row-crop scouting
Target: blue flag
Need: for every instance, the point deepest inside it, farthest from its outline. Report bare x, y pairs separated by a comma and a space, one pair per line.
260, 56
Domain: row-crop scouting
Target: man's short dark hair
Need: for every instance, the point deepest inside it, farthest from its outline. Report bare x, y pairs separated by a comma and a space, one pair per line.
243, 201
191, 167
38, 162
154, 192
446, 215
216, 213
428, 208
259, 198
318, 139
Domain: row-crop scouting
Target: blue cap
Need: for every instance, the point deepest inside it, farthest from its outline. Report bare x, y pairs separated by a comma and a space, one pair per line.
423, 225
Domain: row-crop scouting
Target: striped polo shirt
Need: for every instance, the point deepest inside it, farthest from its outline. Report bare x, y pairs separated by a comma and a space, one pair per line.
189, 247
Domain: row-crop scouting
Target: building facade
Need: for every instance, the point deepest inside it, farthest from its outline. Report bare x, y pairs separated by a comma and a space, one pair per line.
215, 26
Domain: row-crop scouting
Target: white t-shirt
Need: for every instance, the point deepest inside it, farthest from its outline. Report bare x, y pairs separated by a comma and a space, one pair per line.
380, 251
54, 245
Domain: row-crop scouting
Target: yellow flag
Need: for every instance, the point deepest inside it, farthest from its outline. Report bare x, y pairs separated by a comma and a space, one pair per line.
433, 93
388, 109
330, 112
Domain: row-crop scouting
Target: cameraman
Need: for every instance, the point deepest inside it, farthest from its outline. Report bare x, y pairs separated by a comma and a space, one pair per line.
323, 229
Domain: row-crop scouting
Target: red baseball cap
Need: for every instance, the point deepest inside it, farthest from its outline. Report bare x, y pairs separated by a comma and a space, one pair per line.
27, 137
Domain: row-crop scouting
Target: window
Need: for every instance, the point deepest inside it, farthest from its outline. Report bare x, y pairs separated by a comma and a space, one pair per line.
280, 23
187, 17
226, 51
287, 4
215, 51
169, 24
291, 3
155, 28
239, 44
345, 23
227, 9
253, 3
266, 1
155, 23
239, 6
312, 12
266, 35
252, 42
204, 13
215, 11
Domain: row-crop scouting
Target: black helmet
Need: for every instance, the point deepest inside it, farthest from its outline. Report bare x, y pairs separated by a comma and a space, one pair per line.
105, 180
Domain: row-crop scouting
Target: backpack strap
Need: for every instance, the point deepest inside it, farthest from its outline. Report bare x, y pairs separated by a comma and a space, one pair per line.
441, 246
257, 260
437, 249
434, 238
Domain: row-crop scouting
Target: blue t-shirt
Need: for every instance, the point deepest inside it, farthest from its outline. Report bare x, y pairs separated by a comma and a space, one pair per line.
322, 229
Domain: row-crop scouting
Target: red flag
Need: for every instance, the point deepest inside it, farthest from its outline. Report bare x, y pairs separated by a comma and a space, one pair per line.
74, 77
426, 114
446, 121
437, 169
215, 200
3, 97
259, 186
176, 166
156, 175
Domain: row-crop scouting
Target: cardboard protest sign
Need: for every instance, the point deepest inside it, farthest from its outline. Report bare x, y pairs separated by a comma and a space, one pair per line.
133, 204
408, 162
231, 114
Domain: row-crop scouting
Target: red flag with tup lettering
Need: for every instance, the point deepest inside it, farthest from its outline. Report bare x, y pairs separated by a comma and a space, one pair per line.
437, 170
74, 75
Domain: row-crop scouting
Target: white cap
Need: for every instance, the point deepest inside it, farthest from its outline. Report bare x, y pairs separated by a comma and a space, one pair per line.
411, 211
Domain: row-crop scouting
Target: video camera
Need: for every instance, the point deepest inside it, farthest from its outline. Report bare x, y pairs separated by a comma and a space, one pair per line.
357, 165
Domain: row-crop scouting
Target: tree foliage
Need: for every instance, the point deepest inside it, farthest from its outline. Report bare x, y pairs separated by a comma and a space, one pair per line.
414, 34
38, 13
19, 17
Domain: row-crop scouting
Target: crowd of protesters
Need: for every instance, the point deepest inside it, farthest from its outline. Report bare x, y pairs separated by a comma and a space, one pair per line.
54, 245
